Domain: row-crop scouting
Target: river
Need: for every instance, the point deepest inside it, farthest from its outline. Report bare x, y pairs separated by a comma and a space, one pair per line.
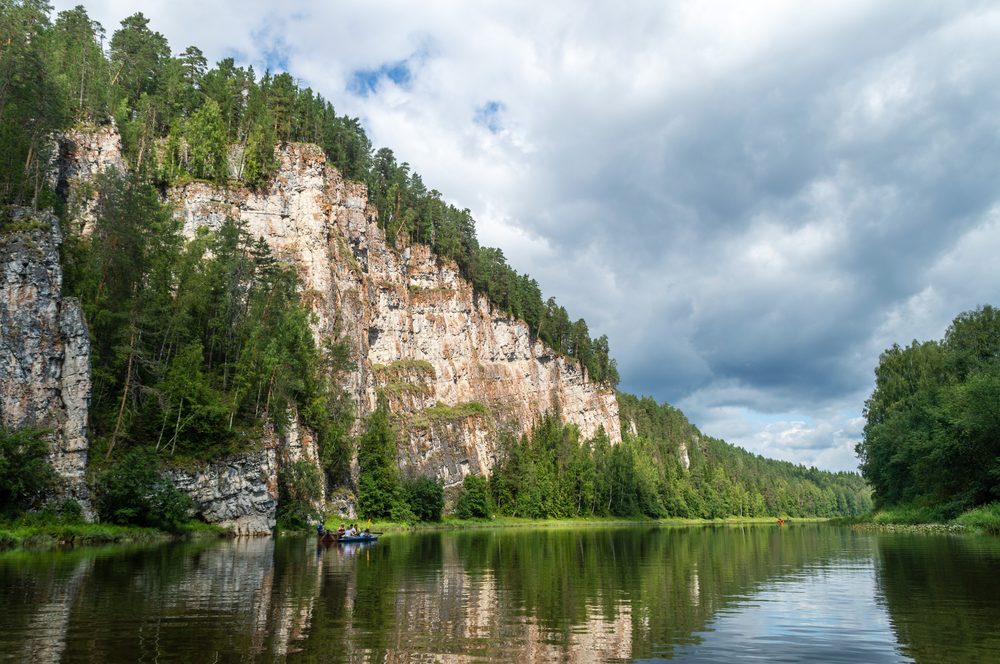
797, 593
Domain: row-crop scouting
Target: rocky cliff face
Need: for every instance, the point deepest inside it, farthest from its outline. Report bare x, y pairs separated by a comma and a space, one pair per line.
44, 347
81, 155
456, 372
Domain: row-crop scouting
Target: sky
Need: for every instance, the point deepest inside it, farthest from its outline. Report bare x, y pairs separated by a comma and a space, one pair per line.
751, 199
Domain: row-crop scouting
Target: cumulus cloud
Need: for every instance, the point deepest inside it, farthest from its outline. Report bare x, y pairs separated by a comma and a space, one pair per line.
751, 199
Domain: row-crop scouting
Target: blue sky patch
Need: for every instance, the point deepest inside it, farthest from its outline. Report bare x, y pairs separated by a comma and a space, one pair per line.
274, 50
364, 82
488, 115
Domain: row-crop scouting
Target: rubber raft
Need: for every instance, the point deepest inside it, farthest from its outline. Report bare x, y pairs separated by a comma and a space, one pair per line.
346, 539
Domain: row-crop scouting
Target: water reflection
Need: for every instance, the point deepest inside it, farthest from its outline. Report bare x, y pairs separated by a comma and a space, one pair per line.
809, 592
947, 611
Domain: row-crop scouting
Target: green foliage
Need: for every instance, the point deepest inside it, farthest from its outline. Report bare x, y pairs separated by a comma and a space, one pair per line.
932, 432
139, 59
67, 512
425, 497
442, 412
724, 480
474, 500
299, 487
198, 147
909, 514
77, 64
196, 344
31, 107
985, 519
379, 494
134, 492
552, 473
25, 472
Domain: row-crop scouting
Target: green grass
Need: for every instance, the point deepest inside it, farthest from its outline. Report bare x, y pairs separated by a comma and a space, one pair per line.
397, 388
907, 515
442, 412
984, 519
400, 366
51, 535
910, 517
454, 523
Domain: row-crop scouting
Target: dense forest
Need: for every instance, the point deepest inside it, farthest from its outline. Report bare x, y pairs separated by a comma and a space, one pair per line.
554, 472
932, 431
201, 346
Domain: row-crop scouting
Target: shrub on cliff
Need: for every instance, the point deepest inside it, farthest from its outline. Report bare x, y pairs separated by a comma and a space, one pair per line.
425, 496
299, 484
133, 492
25, 472
474, 501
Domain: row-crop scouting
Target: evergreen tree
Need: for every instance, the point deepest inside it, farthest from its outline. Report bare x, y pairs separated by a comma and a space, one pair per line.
378, 481
206, 138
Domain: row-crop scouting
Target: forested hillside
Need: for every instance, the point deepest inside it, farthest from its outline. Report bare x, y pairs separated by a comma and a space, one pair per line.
932, 436
724, 479
200, 344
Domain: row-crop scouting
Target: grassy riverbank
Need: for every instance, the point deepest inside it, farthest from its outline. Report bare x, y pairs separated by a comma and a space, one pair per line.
454, 523
912, 518
48, 536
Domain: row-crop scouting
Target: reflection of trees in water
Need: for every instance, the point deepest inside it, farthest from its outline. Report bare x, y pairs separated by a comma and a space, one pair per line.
183, 601
566, 594
551, 594
943, 595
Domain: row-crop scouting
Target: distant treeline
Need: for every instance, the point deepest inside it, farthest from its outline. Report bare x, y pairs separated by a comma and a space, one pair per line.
553, 472
932, 432
178, 117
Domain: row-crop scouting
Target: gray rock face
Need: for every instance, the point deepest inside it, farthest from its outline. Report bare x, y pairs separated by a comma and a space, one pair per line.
240, 494
81, 155
44, 347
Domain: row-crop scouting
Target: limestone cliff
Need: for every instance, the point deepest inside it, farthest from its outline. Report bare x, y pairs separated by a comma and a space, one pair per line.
455, 370
44, 347
80, 156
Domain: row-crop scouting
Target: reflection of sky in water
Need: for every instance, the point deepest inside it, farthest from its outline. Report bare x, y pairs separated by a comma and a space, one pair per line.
821, 614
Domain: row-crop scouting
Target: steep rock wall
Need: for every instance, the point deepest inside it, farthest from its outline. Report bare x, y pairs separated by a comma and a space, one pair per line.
81, 155
240, 494
400, 309
44, 347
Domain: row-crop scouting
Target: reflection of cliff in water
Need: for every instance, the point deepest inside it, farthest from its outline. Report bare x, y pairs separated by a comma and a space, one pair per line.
187, 602
943, 595
566, 595
555, 594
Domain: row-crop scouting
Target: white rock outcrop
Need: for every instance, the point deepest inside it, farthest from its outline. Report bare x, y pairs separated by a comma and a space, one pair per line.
400, 309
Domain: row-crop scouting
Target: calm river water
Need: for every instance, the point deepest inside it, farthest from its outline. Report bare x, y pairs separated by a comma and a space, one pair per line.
798, 593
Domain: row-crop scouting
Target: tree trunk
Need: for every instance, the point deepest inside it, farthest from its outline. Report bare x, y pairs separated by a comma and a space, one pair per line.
128, 383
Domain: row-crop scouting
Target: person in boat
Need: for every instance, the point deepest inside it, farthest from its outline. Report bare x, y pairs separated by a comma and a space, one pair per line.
320, 530
340, 531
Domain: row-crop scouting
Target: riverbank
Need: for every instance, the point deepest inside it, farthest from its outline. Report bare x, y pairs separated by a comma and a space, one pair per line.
908, 518
52, 536
452, 523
